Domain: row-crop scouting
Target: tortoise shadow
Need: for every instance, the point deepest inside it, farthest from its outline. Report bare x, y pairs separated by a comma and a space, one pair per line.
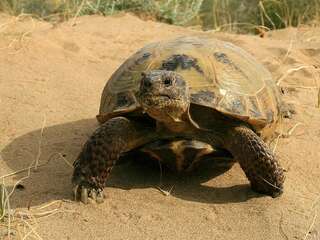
60, 145
192, 186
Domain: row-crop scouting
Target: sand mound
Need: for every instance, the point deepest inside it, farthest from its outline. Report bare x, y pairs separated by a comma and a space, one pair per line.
51, 78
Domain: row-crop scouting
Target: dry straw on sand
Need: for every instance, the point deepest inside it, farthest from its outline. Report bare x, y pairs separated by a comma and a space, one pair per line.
23, 218
3, 200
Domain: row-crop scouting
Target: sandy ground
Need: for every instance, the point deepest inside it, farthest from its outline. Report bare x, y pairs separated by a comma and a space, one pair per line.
51, 78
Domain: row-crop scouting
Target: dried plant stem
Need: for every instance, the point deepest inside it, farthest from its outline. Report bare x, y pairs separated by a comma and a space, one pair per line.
266, 15
37, 166
166, 193
32, 229
73, 22
3, 197
310, 227
285, 135
23, 170
288, 50
292, 129
292, 70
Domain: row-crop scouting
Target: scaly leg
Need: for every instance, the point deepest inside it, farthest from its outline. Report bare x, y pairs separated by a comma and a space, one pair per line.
257, 161
102, 150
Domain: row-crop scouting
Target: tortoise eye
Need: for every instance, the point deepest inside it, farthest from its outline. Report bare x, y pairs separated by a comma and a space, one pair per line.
146, 83
167, 82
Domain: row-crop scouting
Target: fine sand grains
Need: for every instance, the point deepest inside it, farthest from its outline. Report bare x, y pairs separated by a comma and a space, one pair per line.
51, 78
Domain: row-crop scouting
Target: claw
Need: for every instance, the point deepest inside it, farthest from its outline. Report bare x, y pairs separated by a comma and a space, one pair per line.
100, 196
84, 195
93, 194
88, 195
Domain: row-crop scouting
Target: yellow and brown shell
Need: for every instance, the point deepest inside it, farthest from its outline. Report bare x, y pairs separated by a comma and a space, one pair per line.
221, 76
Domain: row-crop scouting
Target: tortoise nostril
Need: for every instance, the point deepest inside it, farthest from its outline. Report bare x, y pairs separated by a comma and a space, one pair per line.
167, 82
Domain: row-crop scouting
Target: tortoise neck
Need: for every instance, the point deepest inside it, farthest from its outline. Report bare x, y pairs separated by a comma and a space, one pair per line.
184, 125
175, 127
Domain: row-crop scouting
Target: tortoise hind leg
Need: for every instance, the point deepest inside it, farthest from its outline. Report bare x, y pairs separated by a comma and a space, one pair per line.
101, 152
257, 161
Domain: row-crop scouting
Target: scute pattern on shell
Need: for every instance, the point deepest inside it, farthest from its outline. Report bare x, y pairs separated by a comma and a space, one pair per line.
221, 76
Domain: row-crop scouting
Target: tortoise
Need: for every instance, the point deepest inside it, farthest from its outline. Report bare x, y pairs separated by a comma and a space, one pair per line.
201, 91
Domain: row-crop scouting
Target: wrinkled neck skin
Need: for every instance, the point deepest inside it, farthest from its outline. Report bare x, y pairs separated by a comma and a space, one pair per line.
187, 128
182, 125
172, 115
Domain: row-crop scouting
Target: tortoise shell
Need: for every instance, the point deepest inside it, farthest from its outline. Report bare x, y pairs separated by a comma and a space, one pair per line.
221, 76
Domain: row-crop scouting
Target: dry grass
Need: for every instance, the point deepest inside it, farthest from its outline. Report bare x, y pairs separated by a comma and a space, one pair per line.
3, 200
27, 219
249, 16
310, 227
231, 15
172, 11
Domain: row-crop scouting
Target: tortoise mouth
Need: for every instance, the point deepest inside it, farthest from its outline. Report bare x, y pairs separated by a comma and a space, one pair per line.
152, 100
157, 95
163, 107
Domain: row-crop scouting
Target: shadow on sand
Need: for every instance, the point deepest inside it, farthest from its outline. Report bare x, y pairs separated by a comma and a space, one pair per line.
51, 181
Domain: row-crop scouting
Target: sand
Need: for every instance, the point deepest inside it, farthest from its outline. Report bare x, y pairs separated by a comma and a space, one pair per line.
51, 77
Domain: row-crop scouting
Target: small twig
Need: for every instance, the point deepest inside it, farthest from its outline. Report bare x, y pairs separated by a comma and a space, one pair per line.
292, 70
285, 135
37, 166
77, 13
276, 144
288, 51
166, 193
40, 214
267, 16
27, 235
220, 28
49, 204
32, 229
6, 203
298, 86
65, 160
266, 181
20, 38
299, 213
3, 197
311, 226
5, 206
23, 170
292, 130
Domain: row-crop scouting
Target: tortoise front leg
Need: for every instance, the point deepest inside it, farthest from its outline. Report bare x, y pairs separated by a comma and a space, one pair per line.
257, 161
102, 150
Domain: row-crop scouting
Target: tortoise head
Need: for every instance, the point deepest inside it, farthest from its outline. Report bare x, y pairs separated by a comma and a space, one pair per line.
164, 95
